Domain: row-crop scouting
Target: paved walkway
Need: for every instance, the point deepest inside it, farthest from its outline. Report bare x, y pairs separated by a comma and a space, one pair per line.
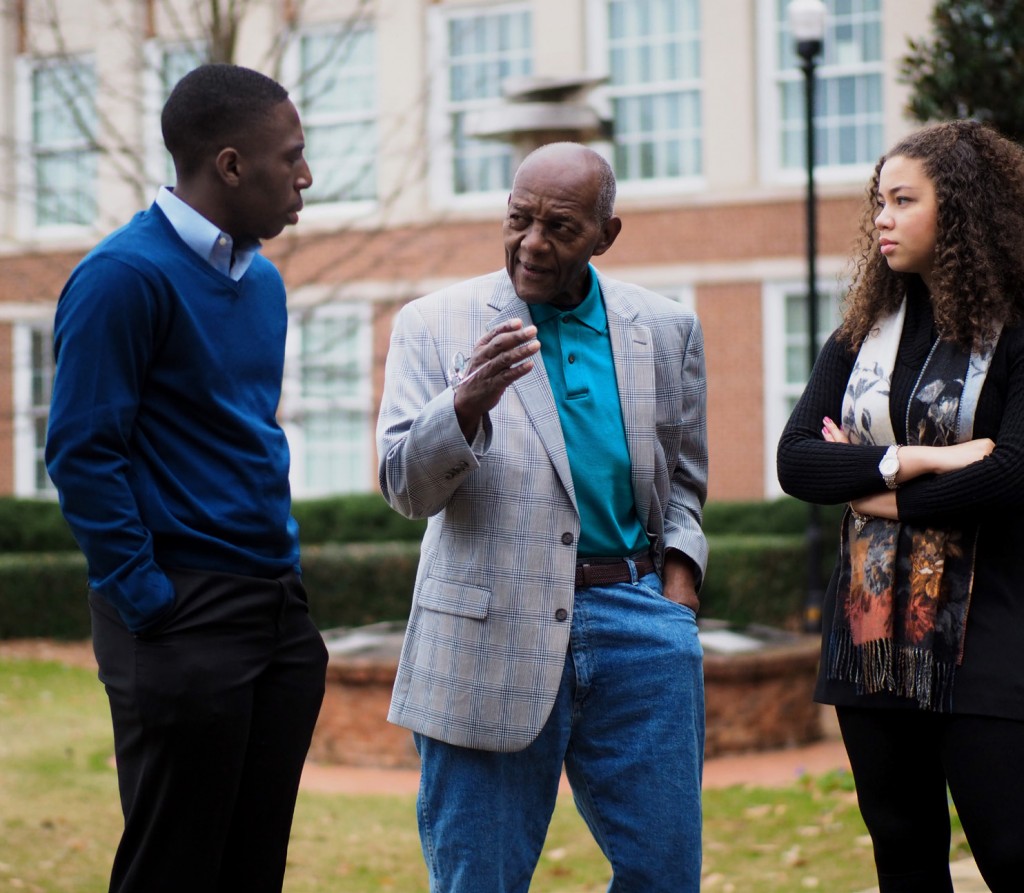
767, 769
771, 769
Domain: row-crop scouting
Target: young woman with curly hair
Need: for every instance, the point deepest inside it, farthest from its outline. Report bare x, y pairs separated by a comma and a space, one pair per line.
914, 416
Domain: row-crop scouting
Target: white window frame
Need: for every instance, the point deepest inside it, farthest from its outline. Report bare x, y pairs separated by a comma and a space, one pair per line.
28, 448
25, 167
603, 99
292, 67
770, 107
441, 108
158, 164
294, 405
775, 339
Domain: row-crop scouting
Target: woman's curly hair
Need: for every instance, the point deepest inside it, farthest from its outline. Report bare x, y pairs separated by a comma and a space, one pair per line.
978, 277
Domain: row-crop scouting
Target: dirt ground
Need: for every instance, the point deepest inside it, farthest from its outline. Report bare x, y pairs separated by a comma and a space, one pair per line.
76, 654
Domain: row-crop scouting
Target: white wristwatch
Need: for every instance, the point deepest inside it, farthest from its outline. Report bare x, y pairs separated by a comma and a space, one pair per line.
889, 467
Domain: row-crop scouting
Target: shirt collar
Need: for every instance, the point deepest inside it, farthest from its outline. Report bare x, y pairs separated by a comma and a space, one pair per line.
590, 311
204, 238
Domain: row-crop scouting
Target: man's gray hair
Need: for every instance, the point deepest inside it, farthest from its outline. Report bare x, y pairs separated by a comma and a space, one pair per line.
606, 194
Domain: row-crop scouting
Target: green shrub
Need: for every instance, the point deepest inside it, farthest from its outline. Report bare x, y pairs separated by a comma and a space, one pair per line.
29, 525
44, 595
758, 579
751, 579
37, 525
353, 518
757, 572
777, 516
33, 525
360, 583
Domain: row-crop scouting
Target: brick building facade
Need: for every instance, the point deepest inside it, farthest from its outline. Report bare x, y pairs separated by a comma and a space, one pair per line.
707, 147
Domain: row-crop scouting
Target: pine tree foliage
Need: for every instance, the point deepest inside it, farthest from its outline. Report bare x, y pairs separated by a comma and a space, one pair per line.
972, 67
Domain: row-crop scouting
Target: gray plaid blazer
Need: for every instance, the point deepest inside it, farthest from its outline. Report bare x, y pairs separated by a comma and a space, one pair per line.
484, 648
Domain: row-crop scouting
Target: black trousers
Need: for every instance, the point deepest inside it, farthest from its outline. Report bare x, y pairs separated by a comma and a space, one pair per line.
213, 713
902, 762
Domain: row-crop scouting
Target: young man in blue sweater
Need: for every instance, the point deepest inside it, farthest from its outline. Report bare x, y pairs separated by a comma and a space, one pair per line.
173, 475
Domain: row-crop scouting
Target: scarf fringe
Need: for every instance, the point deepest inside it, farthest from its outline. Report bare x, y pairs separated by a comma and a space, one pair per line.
883, 665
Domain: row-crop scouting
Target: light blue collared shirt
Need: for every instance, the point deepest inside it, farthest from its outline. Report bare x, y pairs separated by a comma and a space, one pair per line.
205, 239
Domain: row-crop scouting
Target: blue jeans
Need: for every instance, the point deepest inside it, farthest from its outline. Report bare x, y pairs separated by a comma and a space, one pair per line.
628, 724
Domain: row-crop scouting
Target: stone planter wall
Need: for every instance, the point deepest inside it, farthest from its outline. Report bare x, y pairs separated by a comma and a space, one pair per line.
755, 701
353, 729
763, 699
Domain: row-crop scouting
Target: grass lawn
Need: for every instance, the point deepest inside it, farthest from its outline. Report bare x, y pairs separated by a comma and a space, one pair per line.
60, 818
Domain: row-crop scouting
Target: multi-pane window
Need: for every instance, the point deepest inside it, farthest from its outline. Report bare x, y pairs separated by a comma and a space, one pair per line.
175, 62
338, 102
327, 401
33, 382
63, 101
796, 337
787, 354
848, 106
483, 49
654, 63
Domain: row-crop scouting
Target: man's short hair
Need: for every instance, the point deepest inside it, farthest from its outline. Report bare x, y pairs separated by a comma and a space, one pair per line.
212, 107
605, 207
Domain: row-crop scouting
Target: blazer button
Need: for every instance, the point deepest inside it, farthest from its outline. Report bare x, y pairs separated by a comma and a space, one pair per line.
567, 538
561, 614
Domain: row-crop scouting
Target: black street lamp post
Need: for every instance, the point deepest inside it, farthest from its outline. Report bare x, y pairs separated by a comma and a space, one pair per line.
807, 25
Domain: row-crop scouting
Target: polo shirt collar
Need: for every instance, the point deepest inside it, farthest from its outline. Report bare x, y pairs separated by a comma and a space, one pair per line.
590, 311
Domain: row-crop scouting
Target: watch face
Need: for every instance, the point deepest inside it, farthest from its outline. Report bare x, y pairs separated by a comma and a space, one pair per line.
890, 465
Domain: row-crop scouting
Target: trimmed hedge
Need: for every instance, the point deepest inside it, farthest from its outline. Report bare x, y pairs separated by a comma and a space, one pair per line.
759, 579
37, 525
28, 525
361, 583
778, 516
757, 572
751, 579
354, 518
33, 525
43, 595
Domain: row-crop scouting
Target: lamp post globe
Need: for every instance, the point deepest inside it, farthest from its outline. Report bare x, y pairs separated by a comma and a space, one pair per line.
807, 21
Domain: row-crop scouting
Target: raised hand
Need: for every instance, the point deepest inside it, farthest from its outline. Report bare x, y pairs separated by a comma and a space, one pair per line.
500, 357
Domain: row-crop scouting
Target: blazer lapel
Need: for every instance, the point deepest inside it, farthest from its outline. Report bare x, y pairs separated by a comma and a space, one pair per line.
534, 390
632, 352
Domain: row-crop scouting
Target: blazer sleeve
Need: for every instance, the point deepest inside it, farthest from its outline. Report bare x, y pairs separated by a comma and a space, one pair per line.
423, 455
688, 486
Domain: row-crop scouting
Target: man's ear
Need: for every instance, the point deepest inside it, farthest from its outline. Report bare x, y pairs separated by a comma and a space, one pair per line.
228, 166
609, 233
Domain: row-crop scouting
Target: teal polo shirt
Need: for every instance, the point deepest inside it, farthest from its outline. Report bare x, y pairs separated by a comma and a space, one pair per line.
577, 355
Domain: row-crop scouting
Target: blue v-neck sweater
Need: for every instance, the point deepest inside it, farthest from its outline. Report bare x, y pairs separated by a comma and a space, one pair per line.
163, 440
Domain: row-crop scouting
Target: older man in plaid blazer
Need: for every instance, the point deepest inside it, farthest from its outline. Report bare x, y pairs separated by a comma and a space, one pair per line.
550, 423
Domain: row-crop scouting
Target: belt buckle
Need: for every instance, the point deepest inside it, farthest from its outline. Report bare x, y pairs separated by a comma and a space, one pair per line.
583, 575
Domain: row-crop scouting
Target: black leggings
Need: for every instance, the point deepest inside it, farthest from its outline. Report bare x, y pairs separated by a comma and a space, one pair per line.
902, 761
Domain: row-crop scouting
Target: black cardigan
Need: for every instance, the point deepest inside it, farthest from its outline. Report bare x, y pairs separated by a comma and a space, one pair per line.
990, 680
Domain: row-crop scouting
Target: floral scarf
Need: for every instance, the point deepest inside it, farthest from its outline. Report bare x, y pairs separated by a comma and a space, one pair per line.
904, 591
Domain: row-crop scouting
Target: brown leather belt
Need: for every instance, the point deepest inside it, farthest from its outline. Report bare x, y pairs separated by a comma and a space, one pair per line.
606, 571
